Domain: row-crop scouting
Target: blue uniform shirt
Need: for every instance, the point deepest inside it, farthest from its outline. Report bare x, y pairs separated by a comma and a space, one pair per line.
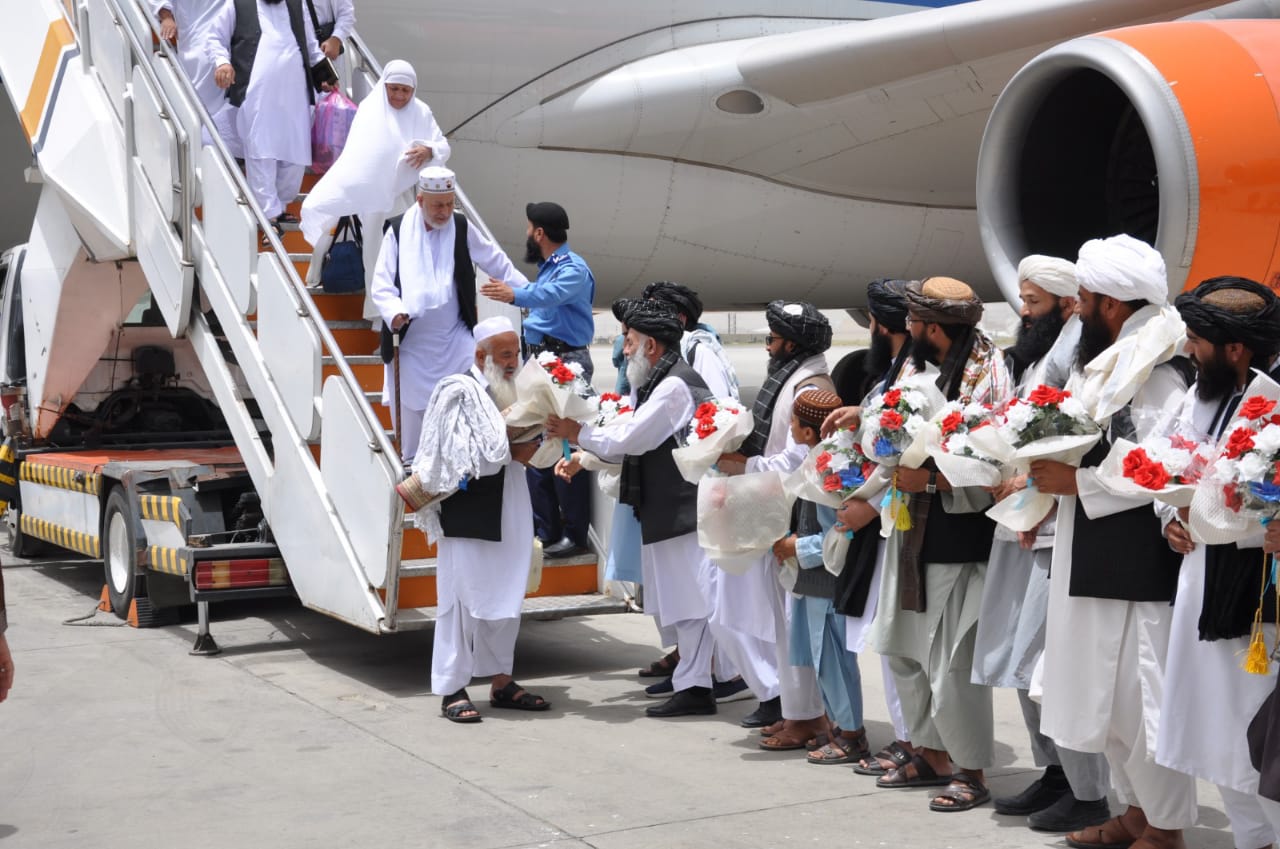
559, 301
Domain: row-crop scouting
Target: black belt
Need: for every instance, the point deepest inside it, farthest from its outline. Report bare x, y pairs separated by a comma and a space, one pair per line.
552, 344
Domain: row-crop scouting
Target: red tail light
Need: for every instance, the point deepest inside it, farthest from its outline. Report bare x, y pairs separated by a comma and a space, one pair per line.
240, 574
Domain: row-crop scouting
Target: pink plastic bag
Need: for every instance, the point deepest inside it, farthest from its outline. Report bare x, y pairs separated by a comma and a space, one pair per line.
329, 129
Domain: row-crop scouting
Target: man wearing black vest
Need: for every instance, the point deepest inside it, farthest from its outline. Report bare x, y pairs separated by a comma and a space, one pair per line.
424, 287
1233, 328
1112, 575
263, 52
677, 574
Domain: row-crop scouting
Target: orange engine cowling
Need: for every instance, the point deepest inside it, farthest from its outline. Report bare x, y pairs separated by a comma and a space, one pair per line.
1168, 132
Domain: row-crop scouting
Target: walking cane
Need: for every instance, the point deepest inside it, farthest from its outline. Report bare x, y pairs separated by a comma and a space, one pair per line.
395, 376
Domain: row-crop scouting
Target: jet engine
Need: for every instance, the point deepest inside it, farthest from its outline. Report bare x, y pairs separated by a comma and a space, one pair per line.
1168, 132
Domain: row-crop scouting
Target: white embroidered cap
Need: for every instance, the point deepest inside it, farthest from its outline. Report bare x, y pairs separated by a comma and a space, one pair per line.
490, 327
436, 180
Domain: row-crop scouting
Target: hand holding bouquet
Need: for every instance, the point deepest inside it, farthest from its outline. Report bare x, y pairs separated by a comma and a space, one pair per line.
894, 422
1166, 467
547, 386
969, 451
717, 427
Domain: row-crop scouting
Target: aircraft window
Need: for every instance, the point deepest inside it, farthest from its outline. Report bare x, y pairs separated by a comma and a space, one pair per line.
740, 102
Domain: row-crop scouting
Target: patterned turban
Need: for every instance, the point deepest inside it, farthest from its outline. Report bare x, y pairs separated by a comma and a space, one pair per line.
1234, 309
943, 300
658, 319
682, 297
801, 324
887, 301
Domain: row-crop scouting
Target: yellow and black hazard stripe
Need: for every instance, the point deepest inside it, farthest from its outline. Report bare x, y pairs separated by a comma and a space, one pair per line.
171, 561
61, 477
8, 474
61, 536
162, 508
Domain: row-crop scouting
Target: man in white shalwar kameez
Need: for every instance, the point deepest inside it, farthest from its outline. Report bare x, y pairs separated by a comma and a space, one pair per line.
677, 573
484, 531
1233, 327
752, 611
186, 22
263, 52
1108, 627
428, 298
1072, 792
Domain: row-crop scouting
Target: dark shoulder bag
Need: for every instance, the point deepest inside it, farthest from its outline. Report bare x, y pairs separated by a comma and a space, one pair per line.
343, 269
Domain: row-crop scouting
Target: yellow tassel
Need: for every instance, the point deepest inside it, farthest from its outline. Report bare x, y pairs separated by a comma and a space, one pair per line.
902, 516
1256, 661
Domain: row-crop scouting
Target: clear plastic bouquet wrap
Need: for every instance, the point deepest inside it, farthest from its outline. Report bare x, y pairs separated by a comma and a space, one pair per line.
547, 386
1167, 467
1048, 424
741, 517
718, 427
837, 470
895, 429
969, 451
613, 411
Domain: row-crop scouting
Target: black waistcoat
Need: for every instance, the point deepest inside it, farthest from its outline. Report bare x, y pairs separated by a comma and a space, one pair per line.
475, 512
464, 280
1122, 556
956, 537
244, 46
668, 505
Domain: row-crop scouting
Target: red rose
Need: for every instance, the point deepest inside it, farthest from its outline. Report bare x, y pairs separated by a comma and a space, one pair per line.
1182, 442
831, 483
622, 410
1151, 476
892, 398
952, 422
561, 374
1044, 396
822, 461
705, 410
1134, 460
1241, 440
1255, 407
869, 467
890, 420
1232, 497
610, 396
705, 428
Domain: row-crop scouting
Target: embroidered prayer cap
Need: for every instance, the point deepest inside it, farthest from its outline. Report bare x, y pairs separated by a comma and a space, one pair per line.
812, 406
436, 180
399, 72
1233, 309
682, 297
887, 302
491, 327
658, 319
1056, 276
943, 300
1123, 268
547, 215
799, 323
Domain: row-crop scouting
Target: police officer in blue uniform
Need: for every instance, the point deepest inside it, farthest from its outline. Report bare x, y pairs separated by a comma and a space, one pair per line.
559, 320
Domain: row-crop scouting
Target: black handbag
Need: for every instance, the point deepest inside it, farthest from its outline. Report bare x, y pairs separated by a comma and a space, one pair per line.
343, 269
324, 32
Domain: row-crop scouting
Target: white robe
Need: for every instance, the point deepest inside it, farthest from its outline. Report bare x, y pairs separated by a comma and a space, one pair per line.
192, 18
438, 344
274, 121
341, 13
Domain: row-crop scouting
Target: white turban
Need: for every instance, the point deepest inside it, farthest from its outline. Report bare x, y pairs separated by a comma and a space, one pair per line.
492, 327
1056, 276
1123, 268
436, 180
399, 72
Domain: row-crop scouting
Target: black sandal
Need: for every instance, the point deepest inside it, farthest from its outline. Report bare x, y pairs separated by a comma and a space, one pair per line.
894, 753
661, 668
455, 706
515, 697
964, 793
925, 776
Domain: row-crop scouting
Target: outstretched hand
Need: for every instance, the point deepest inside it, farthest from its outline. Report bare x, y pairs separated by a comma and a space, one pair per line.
844, 417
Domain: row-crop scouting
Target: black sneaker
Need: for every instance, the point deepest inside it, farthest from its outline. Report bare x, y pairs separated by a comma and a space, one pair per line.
1070, 814
1043, 792
769, 712
733, 690
662, 690
688, 702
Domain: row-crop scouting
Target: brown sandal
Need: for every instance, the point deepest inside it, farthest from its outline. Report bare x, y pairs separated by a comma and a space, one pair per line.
1112, 834
842, 748
661, 668
894, 754
924, 775
964, 793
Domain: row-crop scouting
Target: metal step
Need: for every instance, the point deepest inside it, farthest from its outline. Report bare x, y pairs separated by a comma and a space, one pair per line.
353, 360
542, 607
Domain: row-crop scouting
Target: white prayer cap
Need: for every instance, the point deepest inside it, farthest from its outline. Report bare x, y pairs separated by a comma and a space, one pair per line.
399, 72
1056, 276
492, 327
1123, 268
436, 180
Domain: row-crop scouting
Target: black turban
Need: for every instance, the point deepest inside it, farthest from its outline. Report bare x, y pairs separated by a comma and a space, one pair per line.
1234, 309
800, 323
682, 297
658, 319
887, 302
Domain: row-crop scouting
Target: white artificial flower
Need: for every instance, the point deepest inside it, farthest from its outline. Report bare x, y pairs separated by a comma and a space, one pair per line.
914, 399
1252, 467
914, 424
1224, 470
957, 443
839, 461
1019, 416
976, 411
1072, 407
546, 358
576, 368
1267, 442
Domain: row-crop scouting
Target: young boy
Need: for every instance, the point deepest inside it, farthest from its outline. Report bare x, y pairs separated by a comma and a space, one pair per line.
817, 630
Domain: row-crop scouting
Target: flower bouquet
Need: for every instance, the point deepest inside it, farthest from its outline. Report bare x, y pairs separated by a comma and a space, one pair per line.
741, 517
717, 427
613, 410
1049, 424
547, 386
1167, 467
968, 450
895, 424
837, 470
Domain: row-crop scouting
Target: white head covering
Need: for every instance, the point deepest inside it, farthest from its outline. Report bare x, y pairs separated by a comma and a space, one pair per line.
491, 327
1056, 276
1123, 268
399, 72
436, 180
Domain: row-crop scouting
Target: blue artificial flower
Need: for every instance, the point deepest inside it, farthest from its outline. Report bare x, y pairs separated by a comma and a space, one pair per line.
849, 478
462, 484
884, 448
1267, 491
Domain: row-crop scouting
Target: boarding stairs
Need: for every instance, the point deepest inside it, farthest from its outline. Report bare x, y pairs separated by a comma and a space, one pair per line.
294, 370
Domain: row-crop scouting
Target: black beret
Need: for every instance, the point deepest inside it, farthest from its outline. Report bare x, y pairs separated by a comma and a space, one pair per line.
547, 215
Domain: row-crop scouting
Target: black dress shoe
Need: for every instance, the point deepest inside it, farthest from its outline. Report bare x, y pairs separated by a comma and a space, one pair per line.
1070, 814
1042, 793
687, 702
564, 548
769, 712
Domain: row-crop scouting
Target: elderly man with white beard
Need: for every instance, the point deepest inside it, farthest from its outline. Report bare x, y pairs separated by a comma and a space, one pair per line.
677, 574
482, 565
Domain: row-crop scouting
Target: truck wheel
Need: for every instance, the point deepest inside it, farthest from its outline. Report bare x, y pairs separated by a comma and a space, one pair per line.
21, 545
119, 553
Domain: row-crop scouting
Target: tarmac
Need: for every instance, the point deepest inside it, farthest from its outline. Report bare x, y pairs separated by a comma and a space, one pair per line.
308, 733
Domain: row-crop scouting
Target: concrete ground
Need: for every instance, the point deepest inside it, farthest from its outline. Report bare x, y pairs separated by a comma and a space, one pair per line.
308, 733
